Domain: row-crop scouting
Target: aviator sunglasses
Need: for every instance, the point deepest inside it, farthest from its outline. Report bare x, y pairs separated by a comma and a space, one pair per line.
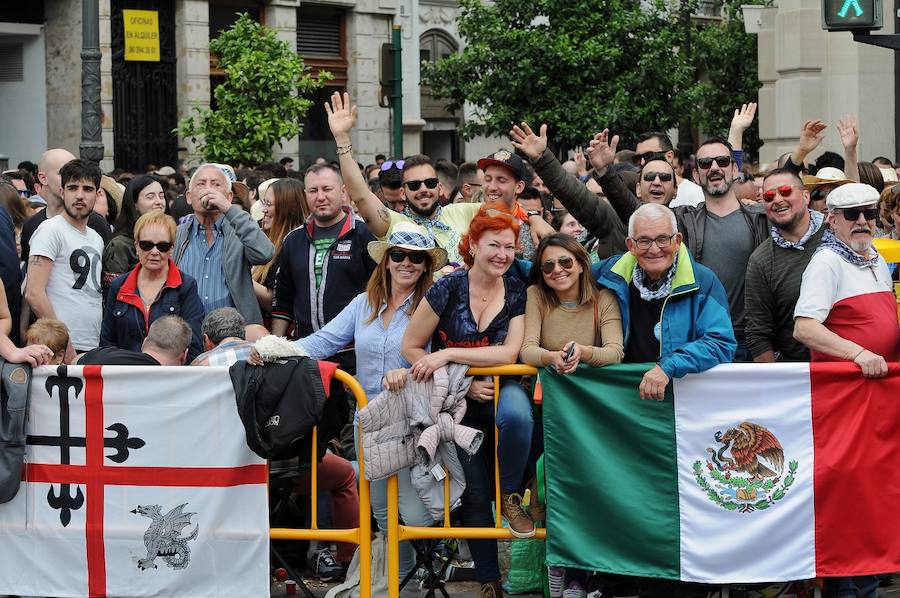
706, 163
163, 246
783, 191
565, 262
398, 256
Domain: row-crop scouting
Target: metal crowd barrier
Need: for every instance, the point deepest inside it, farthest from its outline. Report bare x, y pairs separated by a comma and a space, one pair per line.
890, 251
397, 533
362, 535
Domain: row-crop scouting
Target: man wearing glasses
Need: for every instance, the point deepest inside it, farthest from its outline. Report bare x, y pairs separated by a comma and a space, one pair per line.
776, 268
847, 309
674, 310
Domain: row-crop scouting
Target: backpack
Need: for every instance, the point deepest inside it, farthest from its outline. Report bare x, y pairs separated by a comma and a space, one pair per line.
15, 383
280, 402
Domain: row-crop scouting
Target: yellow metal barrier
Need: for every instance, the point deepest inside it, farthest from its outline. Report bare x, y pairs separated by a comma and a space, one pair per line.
398, 533
890, 251
361, 535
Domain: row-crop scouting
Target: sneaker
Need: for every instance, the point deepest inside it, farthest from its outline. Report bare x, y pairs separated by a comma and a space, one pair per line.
556, 581
511, 510
491, 590
574, 590
322, 565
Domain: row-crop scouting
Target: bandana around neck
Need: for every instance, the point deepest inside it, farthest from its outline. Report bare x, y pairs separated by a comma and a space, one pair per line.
816, 219
832, 243
663, 287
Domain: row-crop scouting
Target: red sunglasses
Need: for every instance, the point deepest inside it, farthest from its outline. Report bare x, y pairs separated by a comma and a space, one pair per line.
783, 191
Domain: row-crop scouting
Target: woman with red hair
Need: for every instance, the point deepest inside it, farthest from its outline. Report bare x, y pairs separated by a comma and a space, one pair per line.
476, 316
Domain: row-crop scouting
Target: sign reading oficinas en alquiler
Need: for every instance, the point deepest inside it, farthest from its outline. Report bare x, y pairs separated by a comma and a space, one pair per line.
141, 35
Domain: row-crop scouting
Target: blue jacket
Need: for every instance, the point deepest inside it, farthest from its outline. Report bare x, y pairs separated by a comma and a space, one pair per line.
696, 332
125, 323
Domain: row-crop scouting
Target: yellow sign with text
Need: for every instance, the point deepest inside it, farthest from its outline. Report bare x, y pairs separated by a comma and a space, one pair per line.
141, 35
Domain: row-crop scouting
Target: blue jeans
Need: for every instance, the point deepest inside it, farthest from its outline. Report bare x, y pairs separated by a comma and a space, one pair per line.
412, 512
863, 586
515, 423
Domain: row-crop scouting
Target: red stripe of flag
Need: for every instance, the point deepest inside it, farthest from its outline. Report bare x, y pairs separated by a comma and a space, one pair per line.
194, 477
95, 546
856, 434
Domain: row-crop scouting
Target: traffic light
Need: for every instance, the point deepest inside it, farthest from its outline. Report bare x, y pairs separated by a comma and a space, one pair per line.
845, 15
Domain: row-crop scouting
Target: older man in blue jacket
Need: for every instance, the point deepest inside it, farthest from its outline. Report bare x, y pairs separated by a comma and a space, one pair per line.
674, 310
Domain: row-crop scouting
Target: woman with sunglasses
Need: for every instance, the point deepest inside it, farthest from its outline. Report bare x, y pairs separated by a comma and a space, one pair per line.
152, 289
144, 193
568, 319
374, 322
476, 317
284, 208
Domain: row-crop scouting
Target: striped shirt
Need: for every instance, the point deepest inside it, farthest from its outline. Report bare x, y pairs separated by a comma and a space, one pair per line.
205, 263
227, 353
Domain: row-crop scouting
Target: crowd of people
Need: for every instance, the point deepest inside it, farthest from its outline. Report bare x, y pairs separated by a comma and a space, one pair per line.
402, 267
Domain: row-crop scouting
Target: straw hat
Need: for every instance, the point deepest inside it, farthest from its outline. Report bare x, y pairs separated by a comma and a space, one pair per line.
412, 237
825, 176
113, 189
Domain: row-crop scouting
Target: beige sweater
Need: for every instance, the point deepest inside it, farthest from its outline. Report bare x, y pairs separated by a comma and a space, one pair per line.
548, 335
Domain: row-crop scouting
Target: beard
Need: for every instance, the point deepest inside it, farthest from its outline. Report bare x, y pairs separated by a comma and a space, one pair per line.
721, 188
424, 212
75, 215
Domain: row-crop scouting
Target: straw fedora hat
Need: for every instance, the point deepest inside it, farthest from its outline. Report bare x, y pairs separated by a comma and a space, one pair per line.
412, 237
825, 176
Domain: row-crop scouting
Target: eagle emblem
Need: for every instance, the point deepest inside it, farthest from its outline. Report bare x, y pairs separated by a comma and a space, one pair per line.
502, 155
750, 478
163, 538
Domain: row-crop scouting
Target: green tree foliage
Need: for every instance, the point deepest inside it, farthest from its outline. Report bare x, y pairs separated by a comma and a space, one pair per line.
261, 101
576, 65
729, 77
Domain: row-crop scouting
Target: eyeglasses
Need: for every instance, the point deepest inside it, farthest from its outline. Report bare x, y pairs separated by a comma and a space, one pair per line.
705, 163
661, 241
665, 177
24, 193
429, 184
783, 191
852, 214
565, 262
397, 256
163, 246
388, 164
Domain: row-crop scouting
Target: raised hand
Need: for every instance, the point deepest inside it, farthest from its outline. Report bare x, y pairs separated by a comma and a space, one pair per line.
525, 140
743, 117
602, 150
341, 117
580, 161
848, 129
811, 135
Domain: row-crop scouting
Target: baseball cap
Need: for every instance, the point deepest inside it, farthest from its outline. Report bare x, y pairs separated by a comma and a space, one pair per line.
852, 195
509, 160
825, 176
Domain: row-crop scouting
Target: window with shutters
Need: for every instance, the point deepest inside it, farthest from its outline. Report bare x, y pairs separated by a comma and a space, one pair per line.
11, 65
321, 40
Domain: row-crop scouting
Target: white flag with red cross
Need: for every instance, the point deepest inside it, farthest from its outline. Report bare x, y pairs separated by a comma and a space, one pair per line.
138, 482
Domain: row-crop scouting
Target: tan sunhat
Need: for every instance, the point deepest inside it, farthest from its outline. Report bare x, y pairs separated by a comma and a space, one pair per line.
113, 189
825, 176
412, 237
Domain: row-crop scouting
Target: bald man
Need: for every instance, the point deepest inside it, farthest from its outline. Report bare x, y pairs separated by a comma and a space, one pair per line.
51, 190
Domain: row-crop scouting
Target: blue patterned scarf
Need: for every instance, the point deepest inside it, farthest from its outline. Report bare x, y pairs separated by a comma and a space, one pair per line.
816, 219
663, 287
832, 243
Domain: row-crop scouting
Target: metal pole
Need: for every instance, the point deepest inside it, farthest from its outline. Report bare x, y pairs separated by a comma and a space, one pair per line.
685, 129
91, 147
398, 93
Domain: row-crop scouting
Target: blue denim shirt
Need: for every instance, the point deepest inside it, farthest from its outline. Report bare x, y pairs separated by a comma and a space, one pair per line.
205, 263
377, 348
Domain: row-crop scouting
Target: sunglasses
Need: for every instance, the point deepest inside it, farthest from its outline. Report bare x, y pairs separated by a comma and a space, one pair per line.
163, 246
852, 214
706, 163
24, 193
783, 191
388, 164
429, 184
665, 177
392, 184
565, 262
820, 194
397, 256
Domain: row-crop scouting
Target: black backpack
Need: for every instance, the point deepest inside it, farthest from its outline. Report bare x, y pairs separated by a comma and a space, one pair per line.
280, 403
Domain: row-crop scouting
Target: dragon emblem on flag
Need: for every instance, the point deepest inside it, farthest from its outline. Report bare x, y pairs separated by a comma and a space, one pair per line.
163, 538
750, 479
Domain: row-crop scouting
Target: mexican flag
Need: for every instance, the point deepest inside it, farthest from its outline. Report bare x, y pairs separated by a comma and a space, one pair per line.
745, 473
138, 482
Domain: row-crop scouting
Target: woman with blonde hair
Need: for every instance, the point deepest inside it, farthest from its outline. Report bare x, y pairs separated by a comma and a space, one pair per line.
284, 208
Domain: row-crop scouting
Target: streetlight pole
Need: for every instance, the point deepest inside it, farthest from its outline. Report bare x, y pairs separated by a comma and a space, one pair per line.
91, 147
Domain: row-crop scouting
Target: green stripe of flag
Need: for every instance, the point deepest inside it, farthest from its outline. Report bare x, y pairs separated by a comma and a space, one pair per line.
612, 487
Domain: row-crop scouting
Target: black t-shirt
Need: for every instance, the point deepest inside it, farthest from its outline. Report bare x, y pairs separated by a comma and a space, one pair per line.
643, 342
95, 221
115, 356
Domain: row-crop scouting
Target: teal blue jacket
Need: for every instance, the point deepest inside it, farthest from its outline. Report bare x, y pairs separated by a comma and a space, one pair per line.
696, 332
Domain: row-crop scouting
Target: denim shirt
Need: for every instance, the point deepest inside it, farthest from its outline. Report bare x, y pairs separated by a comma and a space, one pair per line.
205, 263
377, 348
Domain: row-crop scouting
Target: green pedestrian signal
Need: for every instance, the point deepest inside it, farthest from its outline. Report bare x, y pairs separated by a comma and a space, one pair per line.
844, 15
